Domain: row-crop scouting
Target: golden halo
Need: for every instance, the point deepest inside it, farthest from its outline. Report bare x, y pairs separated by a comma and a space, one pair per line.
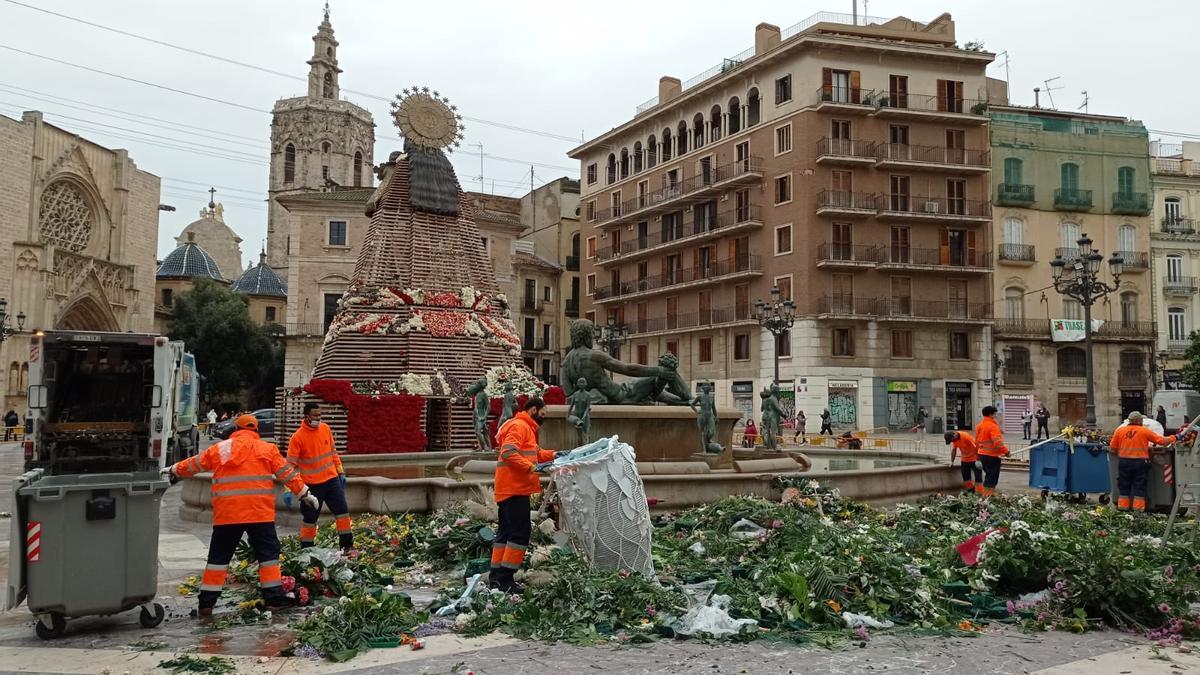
427, 119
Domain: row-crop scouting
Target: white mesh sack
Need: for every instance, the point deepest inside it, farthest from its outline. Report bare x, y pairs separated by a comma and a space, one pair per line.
604, 506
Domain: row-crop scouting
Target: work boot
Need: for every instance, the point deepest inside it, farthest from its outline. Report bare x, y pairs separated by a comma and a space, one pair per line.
204, 611
278, 601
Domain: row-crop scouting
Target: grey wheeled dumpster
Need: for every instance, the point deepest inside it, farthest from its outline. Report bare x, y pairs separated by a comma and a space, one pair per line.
84, 545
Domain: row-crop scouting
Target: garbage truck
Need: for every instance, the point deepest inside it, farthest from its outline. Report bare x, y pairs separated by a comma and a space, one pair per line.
109, 402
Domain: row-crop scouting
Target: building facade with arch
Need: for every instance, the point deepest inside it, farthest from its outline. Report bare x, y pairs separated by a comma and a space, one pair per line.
1057, 176
80, 226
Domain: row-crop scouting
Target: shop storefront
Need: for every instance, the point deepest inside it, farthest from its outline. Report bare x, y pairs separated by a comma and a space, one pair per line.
960, 411
843, 403
743, 398
901, 404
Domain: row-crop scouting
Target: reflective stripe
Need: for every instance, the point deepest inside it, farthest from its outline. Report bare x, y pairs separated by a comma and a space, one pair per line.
269, 584
319, 469
269, 563
317, 458
216, 568
511, 566
238, 493
516, 547
240, 479
341, 515
209, 587
285, 474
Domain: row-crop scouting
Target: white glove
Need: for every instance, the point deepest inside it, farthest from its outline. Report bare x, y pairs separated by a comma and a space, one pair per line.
168, 473
308, 499
979, 465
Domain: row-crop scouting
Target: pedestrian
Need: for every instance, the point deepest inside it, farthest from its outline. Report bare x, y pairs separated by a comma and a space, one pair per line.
801, 423
826, 423
848, 441
972, 468
750, 435
211, 418
312, 452
1131, 443
919, 427
1160, 416
1043, 421
521, 460
990, 442
244, 469
11, 420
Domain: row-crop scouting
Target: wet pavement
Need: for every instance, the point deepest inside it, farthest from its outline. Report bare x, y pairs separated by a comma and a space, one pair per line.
113, 644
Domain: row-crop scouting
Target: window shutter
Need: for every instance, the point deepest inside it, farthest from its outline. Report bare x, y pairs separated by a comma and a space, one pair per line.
826, 83
664, 269
695, 263
971, 248
944, 247
941, 95
958, 96
855, 82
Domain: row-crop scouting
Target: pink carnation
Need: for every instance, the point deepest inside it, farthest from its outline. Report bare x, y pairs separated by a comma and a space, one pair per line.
302, 595
289, 583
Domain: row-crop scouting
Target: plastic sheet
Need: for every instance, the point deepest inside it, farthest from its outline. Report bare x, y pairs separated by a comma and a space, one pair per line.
708, 614
862, 620
463, 600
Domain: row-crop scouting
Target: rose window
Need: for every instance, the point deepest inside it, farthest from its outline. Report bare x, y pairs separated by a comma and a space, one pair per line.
66, 218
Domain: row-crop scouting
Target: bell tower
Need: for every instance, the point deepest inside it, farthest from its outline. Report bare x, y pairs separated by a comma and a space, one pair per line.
319, 142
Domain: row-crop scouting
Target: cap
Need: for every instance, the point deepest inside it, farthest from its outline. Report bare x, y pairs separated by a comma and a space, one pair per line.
247, 422
1135, 415
950, 436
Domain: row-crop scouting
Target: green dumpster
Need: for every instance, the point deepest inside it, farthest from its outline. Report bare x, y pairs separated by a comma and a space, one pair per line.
85, 545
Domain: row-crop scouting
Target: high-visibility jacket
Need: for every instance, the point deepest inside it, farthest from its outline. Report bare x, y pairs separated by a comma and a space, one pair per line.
312, 452
1133, 441
244, 470
519, 451
989, 439
965, 444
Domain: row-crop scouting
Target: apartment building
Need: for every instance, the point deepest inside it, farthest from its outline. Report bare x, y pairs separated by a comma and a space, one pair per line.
1059, 176
846, 164
1175, 250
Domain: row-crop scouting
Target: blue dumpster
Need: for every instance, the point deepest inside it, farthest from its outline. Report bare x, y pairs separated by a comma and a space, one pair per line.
1058, 467
1049, 466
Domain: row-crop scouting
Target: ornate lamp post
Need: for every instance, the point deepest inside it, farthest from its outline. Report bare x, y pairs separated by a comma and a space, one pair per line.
776, 316
610, 336
5, 319
1080, 279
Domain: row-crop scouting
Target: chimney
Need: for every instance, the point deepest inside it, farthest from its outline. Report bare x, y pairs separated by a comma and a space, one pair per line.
669, 88
766, 38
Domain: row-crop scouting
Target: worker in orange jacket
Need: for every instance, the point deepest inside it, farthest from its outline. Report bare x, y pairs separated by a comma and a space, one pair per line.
518, 470
311, 451
972, 468
244, 470
990, 442
1132, 443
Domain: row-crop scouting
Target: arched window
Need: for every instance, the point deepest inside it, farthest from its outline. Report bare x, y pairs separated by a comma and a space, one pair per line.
1172, 214
1128, 309
1176, 325
651, 152
610, 169
735, 115
1175, 268
1127, 243
666, 145
698, 131
682, 139
289, 163
575, 245
1125, 180
753, 107
326, 148
358, 169
327, 90
1072, 309
1014, 231
1068, 234
1017, 360
1070, 177
714, 123
637, 157
14, 378
624, 162
1012, 171
1014, 303
1072, 362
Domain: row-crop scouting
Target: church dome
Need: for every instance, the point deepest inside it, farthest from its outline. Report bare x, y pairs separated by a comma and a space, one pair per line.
189, 261
260, 280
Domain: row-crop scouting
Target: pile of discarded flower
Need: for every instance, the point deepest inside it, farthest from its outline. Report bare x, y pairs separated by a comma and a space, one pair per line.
811, 565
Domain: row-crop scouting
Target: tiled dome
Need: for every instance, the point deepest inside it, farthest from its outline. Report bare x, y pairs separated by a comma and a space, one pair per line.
189, 261
260, 280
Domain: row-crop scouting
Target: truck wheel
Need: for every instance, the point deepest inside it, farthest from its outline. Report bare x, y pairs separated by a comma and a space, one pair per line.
58, 626
149, 620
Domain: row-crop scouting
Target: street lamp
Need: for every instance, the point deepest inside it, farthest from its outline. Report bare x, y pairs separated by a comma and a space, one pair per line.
610, 336
777, 316
5, 317
1080, 279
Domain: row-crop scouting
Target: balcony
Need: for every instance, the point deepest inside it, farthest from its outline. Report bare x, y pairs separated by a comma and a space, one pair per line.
711, 318
1018, 377
685, 277
1177, 347
934, 209
931, 158
532, 305
845, 100
1135, 260
1109, 331
1180, 286
572, 263
536, 345
572, 308
907, 309
1015, 194
1036, 328
1178, 225
931, 108
1131, 203
708, 182
839, 255
847, 204
845, 306
845, 152
1132, 378
696, 231
1066, 199
1017, 254
933, 259
1069, 253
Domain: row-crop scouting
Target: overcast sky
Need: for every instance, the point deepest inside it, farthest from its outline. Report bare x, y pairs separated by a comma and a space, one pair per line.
563, 69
